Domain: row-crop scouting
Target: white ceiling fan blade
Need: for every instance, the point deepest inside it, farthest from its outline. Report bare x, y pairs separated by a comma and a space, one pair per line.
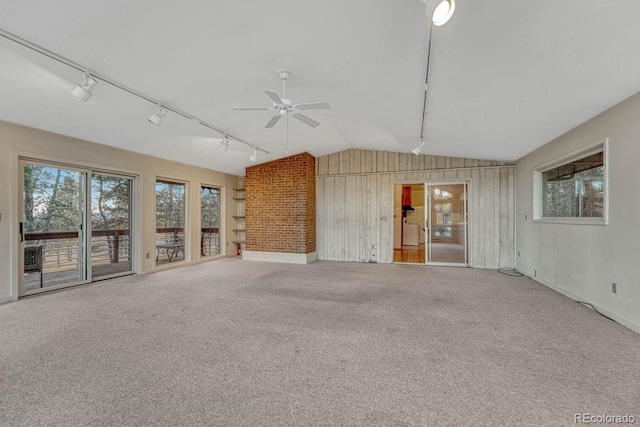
306, 120
251, 108
313, 106
273, 121
274, 96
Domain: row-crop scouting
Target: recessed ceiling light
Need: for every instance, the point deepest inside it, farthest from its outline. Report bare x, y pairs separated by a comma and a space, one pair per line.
443, 12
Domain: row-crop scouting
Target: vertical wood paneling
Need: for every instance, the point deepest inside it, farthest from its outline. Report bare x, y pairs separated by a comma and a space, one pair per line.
374, 223
341, 223
334, 164
320, 217
352, 218
369, 161
489, 212
385, 190
476, 215
503, 221
344, 162
354, 202
323, 165
330, 232
363, 217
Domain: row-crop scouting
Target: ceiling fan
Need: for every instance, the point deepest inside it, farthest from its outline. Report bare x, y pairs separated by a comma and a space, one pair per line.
284, 106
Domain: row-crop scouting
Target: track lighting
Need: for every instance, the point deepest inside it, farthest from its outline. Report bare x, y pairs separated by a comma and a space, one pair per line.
418, 148
156, 118
254, 155
224, 144
83, 90
442, 13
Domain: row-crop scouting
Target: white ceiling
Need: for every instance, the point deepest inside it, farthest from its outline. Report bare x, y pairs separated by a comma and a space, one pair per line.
507, 76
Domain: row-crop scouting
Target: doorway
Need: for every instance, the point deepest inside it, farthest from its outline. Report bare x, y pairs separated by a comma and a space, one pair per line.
447, 223
431, 223
75, 226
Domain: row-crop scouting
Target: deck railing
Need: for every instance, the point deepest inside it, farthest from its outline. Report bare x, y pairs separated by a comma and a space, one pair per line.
60, 248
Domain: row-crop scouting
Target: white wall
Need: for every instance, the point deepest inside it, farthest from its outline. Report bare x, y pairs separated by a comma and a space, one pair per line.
18, 140
583, 260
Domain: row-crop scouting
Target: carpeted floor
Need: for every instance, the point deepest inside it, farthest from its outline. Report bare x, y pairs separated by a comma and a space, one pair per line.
247, 343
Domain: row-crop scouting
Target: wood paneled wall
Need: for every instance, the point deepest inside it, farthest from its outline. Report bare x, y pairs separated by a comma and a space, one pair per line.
354, 196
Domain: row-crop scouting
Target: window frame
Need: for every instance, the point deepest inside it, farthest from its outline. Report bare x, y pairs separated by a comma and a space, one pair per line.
539, 192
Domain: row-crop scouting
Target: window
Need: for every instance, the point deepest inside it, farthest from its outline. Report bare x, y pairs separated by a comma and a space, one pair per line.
170, 220
573, 189
209, 221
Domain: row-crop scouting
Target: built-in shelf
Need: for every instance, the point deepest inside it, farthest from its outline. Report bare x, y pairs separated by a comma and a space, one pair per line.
240, 218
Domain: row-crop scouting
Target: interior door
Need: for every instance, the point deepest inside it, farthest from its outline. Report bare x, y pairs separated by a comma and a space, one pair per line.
447, 223
52, 227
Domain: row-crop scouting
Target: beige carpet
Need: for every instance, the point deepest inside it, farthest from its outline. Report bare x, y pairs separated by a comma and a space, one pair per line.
247, 343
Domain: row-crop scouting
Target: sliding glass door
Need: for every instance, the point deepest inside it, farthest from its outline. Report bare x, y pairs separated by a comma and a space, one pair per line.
53, 226
447, 225
110, 225
75, 227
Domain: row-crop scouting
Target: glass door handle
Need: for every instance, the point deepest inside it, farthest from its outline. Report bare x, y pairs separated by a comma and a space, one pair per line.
21, 232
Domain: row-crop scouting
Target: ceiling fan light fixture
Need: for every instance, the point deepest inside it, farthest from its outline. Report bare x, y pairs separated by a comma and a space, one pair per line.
442, 13
224, 144
82, 91
157, 118
254, 156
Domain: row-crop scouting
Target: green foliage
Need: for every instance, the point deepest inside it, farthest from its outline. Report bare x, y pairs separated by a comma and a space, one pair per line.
170, 204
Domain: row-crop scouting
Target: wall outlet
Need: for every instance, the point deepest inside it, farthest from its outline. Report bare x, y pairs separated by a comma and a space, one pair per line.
147, 255
614, 288
518, 254
526, 217
535, 273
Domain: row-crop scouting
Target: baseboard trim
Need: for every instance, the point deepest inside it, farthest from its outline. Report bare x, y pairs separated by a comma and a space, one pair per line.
635, 327
5, 300
283, 257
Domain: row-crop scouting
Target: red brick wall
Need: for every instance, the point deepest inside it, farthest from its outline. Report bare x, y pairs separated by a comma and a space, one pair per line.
281, 206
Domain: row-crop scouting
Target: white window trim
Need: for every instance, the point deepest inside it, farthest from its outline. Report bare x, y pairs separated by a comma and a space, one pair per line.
538, 190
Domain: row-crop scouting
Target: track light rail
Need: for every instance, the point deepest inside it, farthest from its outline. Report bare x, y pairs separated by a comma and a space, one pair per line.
52, 55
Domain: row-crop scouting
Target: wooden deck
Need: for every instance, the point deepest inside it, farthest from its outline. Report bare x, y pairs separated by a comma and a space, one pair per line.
61, 277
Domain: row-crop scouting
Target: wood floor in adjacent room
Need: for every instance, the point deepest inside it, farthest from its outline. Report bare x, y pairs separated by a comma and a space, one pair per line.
233, 342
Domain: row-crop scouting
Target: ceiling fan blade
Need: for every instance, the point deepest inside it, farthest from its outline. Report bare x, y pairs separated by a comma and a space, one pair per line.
251, 108
306, 120
313, 106
273, 121
274, 96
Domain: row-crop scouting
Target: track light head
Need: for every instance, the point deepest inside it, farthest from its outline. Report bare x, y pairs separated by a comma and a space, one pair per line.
442, 12
82, 91
156, 118
418, 149
254, 155
224, 144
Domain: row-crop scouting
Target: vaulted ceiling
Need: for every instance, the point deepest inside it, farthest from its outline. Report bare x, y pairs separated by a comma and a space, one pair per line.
506, 77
